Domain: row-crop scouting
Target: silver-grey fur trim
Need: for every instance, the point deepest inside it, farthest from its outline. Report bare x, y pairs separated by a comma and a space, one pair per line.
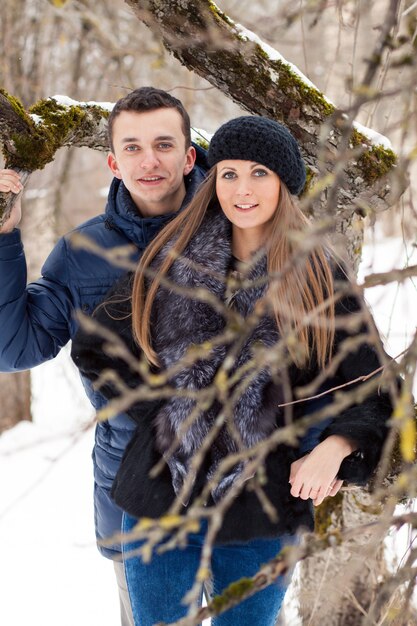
179, 322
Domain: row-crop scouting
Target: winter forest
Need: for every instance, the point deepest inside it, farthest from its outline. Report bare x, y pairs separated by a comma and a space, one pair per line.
342, 76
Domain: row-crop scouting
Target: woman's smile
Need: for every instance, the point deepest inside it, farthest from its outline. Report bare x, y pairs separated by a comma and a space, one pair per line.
245, 207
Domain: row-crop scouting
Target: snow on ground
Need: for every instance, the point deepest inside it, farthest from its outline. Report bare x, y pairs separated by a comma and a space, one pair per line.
52, 573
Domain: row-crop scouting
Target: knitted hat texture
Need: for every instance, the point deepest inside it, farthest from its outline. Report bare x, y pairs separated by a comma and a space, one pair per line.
259, 139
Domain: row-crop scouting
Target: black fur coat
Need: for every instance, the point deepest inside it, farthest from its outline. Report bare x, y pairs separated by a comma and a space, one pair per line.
180, 321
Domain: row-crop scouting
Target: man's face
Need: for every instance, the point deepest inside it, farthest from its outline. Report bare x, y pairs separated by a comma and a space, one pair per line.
151, 159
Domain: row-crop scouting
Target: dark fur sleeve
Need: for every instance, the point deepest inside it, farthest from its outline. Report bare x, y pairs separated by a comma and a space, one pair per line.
364, 423
90, 350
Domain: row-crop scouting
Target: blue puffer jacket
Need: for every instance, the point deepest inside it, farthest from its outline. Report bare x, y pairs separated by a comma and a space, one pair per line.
37, 320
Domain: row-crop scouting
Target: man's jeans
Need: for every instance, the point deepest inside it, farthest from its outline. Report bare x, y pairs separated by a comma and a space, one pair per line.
156, 589
126, 616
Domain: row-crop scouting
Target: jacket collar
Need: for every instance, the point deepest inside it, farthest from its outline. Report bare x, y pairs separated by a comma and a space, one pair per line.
122, 214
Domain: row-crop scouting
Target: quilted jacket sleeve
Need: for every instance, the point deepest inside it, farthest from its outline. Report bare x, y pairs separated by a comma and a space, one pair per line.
35, 318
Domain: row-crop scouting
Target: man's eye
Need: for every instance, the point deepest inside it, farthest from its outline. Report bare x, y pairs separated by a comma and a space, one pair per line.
165, 146
131, 148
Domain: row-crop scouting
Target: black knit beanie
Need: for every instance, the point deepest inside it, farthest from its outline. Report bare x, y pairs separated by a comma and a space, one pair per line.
259, 139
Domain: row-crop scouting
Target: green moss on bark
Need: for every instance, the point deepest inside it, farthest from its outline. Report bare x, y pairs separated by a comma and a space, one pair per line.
30, 152
289, 82
309, 179
328, 515
203, 143
376, 161
34, 147
17, 107
242, 74
58, 118
180, 14
233, 593
219, 14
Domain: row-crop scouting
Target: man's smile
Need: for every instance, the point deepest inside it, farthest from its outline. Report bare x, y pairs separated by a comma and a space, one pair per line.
150, 180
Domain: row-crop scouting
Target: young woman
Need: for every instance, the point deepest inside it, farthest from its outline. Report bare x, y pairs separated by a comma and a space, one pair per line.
236, 277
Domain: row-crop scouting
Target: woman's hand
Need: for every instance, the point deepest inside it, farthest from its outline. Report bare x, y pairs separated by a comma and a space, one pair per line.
315, 475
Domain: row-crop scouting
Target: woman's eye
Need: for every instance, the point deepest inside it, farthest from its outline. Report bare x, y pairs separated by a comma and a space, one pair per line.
260, 172
229, 175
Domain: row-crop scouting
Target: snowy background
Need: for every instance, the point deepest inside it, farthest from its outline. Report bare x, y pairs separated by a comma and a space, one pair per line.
51, 572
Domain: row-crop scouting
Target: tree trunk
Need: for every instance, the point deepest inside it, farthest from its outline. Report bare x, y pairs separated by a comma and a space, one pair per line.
338, 586
15, 399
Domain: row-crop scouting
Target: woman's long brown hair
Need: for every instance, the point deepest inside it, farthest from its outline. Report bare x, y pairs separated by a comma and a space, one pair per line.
299, 288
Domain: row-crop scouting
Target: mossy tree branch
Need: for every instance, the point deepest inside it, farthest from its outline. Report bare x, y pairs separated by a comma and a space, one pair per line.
206, 41
31, 138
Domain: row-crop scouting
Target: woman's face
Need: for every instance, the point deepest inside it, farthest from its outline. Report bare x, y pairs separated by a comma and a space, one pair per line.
248, 193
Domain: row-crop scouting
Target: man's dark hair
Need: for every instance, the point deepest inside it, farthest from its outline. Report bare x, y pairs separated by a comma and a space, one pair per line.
149, 99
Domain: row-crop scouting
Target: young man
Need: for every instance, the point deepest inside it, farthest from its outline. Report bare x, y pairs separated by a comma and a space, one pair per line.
155, 175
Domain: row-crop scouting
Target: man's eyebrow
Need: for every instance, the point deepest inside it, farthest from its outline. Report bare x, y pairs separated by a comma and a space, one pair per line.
130, 139
159, 138
165, 138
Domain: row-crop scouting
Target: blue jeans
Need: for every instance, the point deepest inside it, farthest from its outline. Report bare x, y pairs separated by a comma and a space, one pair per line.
156, 589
